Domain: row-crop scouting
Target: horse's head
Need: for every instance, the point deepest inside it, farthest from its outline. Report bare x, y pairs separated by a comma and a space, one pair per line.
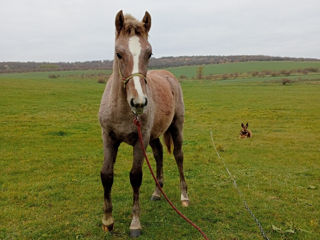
132, 54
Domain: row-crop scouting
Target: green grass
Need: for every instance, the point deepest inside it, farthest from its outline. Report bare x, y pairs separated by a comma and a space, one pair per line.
51, 155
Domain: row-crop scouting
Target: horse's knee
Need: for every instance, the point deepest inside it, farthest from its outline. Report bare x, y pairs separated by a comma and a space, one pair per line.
136, 178
178, 154
156, 146
158, 154
106, 179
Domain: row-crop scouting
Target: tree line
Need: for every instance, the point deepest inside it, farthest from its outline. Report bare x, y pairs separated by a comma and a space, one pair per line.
163, 62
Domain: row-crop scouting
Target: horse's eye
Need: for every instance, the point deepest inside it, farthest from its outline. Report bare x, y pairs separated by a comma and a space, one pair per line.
149, 55
119, 55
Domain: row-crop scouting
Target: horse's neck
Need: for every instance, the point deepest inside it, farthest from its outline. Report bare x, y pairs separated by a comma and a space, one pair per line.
117, 90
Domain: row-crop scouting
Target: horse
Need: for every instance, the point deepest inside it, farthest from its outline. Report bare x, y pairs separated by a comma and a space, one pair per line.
155, 97
245, 132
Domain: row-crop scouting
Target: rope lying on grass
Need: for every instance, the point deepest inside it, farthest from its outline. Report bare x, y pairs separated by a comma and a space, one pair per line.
239, 192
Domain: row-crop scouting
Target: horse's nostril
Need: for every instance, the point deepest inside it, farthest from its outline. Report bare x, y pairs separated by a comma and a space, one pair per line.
146, 101
131, 102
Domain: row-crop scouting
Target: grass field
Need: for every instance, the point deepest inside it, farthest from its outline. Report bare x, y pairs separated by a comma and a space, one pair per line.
242, 67
51, 155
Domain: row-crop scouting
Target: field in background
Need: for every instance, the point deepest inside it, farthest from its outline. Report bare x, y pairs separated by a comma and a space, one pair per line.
242, 67
51, 155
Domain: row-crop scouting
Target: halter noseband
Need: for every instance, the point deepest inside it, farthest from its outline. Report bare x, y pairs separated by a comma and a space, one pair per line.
125, 80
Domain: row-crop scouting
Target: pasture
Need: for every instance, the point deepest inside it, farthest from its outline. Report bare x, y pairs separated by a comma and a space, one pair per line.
51, 156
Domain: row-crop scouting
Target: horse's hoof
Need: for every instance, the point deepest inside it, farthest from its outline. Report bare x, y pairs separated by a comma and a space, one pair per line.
155, 198
185, 203
135, 233
107, 228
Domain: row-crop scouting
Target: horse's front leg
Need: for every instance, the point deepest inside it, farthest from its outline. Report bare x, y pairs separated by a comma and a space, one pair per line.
110, 147
158, 155
136, 180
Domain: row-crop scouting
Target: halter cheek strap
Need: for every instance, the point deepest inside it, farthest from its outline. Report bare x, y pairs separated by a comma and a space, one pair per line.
125, 80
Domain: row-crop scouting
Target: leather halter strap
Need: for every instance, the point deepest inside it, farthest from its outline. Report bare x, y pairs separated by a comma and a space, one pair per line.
125, 80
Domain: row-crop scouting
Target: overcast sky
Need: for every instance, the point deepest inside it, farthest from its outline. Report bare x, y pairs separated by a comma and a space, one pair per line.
81, 30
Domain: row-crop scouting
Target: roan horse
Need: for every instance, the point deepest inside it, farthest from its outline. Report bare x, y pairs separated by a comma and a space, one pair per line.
155, 97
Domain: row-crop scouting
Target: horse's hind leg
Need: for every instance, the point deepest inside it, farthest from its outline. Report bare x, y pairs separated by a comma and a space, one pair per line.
177, 137
110, 153
158, 155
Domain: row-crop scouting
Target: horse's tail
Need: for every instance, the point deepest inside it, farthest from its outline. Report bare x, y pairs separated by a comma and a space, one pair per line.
168, 140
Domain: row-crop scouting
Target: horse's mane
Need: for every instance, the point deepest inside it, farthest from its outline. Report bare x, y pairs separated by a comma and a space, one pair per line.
133, 27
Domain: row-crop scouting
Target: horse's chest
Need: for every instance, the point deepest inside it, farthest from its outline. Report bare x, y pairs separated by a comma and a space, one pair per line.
123, 132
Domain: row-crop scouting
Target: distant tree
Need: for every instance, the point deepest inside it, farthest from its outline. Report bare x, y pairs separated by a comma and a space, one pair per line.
200, 72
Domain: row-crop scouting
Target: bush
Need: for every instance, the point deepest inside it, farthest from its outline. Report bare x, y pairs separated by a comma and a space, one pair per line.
285, 81
312, 69
254, 74
267, 72
225, 76
101, 80
54, 76
285, 72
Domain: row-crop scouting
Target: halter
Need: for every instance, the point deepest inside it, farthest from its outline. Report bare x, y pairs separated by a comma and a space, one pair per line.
125, 80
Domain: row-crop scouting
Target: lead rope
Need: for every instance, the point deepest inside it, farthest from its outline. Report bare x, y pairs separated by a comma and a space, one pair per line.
137, 123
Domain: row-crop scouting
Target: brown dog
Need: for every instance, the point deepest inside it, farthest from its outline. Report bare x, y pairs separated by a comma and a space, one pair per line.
245, 132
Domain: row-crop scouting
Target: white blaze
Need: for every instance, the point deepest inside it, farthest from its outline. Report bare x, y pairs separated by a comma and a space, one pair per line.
135, 49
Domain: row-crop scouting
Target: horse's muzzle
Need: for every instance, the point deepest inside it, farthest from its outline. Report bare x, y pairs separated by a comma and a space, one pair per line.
138, 106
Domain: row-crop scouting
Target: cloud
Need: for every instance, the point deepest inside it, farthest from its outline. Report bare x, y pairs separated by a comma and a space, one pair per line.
80, 30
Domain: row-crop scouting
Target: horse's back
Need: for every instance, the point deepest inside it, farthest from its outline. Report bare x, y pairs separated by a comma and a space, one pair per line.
167, 98
162, 75
167, 87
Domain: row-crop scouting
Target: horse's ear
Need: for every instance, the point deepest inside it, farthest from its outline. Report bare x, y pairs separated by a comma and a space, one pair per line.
147, 21
247, 125
242, 125
119, 21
